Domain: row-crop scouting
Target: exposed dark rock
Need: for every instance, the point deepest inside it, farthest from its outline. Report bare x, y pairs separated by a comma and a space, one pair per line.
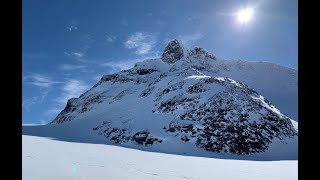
199, 68
185, 138
188, 127
147, 91
145, 71
171, 105
120, 136
172, 87
200, 53
121, 94
64, 116
140, 137
171, 129
196, 88
236, 135
172, 52
113, 78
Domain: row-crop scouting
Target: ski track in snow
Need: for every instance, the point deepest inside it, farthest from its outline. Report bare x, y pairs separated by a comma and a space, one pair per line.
44, 158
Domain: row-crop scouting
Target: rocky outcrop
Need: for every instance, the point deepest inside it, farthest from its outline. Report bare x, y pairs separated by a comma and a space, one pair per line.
173, 52
124, 135
200, 53
236, 120
64, 115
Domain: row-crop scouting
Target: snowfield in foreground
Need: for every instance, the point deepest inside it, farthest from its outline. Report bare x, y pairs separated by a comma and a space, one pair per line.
44, 158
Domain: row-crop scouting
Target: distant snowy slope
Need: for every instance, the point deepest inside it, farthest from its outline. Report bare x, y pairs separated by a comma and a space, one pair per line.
43, 158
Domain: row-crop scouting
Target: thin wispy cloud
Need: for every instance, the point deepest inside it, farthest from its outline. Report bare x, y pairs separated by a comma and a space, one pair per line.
75, 54
40, 80
26, 104
79, 56
43, 92
44, 83
72, 26
72, 88
142, 43
80, 52
68, 67
190, 39
111, 39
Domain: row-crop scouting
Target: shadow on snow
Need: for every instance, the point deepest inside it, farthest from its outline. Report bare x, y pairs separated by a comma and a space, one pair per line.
65, 132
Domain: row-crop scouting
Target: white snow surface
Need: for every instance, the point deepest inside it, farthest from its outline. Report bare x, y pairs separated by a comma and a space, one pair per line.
197, 77
45, 158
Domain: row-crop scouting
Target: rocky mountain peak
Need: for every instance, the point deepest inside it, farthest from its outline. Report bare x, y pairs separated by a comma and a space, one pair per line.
200, 53
173, 52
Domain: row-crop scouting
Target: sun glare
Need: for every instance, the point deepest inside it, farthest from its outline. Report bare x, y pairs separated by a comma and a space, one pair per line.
245, 15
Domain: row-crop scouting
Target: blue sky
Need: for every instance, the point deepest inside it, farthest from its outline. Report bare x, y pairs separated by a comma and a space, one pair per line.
67, 45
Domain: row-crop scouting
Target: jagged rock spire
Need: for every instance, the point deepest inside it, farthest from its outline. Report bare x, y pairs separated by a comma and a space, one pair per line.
173, 51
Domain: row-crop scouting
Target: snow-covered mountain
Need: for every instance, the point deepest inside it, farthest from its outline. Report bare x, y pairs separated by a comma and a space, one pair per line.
191, 101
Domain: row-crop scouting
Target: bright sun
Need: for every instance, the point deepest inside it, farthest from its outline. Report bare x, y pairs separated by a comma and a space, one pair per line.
245, 15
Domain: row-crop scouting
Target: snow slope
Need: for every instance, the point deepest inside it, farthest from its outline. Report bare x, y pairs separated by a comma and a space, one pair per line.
45, 158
